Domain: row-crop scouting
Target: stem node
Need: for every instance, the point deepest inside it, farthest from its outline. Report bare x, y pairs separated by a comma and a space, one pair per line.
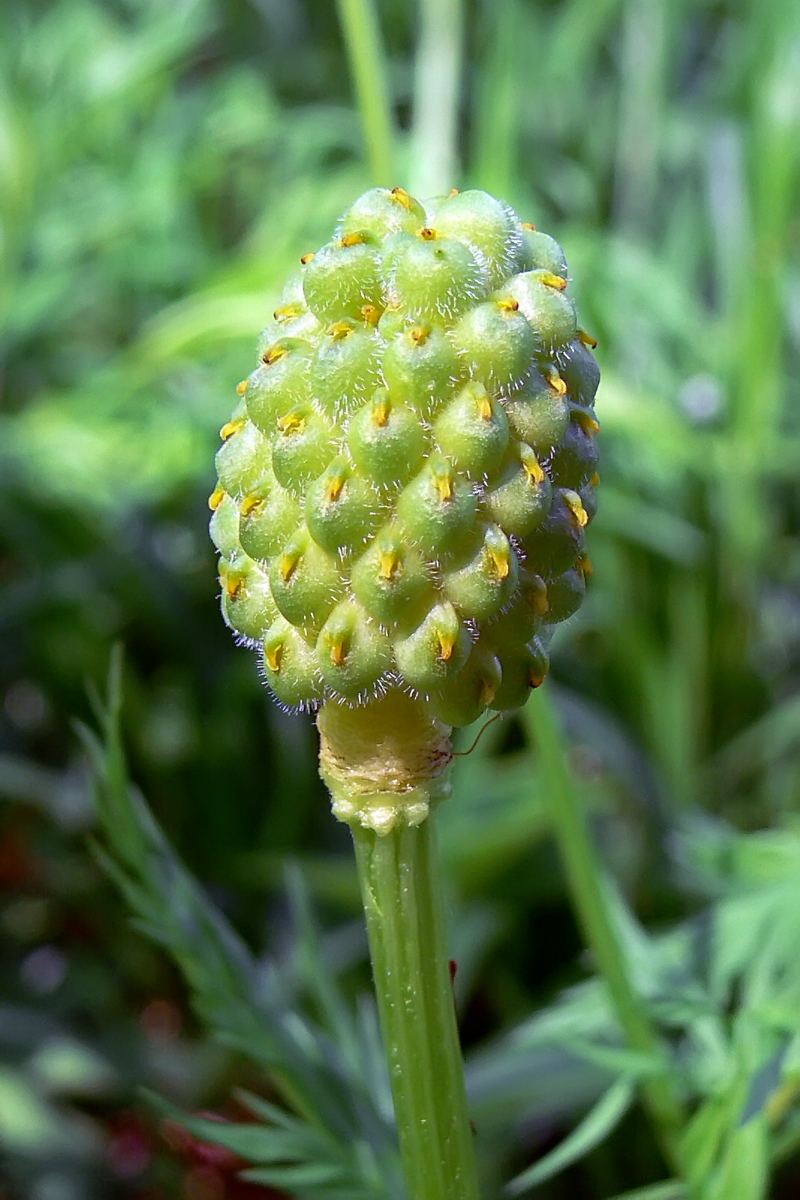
384, 763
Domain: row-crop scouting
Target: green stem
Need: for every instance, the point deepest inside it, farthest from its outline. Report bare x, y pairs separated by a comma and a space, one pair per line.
403, 904
590, 900
437, 87
362, 36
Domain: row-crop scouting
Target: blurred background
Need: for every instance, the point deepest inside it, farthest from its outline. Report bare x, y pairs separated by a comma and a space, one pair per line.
162, 166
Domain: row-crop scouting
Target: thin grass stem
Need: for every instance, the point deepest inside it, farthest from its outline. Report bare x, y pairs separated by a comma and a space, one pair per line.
362, 35
590, 900
437, 94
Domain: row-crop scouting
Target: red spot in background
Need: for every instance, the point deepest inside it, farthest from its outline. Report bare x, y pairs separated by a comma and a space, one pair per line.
201, 1153
204, 1183
213, 1170
161, 1021
130, 1149
19, 866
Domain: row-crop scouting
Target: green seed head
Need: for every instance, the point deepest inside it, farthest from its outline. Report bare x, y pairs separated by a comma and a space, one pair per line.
538, 413
354, 653
565, 594
420, 363
579, 371
291, 319
243, 457
387, 441
267, 517
549, 312
303, 445
246, 598
381, 213
290, 665
539, 251
392, 581
523, 496
467, 695
342, 508
521, 670
573, 460
405, 484
472, 431
496, 343
488, 581
436, 651
282, 381
490, 227
305, 581
433, 278
344, 276
347, 367
438, 510
224, 526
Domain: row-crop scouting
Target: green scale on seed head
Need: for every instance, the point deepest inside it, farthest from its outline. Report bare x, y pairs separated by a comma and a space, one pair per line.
405, 483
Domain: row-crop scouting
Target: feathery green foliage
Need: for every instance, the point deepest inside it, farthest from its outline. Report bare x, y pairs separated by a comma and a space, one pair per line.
340, 1143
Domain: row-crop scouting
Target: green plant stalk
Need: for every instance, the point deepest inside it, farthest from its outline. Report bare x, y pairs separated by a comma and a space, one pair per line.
589, 898
400, 887
365, 54
387, 765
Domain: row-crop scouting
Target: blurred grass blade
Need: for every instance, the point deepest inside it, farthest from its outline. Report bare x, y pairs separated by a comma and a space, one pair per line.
499, 110
437, 94
669, 1190
771, 737
362, 35
643, 49
598, 914
744, 1171
704, 1135
593, 1129
304, 1179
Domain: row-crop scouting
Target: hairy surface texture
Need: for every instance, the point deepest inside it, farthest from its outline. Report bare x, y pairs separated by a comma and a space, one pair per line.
405, 484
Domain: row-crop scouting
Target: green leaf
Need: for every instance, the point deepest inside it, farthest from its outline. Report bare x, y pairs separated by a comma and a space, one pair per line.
258, 1144
315, 971
596, 1125
263, 1108
286, 1140
654, 527
670, 1189
764, 1083
743, 1173
27, 1124
309, 1175
786, 1142
64, 1066
616, 1060
703, 1136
